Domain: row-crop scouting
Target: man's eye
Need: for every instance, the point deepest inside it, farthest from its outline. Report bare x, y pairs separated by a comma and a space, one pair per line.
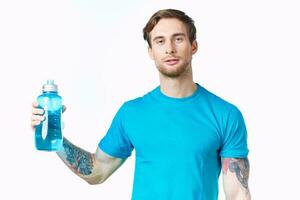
179, 39
159, 41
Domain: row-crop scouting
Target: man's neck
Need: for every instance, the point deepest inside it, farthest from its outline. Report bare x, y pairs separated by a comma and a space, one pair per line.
179, 87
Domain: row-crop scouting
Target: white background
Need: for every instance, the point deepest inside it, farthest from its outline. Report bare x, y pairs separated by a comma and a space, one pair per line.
248, 54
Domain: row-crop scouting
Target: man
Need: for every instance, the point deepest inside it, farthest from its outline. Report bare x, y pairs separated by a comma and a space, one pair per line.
182, 133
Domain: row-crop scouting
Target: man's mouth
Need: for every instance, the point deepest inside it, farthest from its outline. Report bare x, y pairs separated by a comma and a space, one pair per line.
172, 61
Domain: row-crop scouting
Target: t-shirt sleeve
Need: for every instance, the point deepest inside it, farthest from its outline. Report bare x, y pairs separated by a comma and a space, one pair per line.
234, 136
116, 142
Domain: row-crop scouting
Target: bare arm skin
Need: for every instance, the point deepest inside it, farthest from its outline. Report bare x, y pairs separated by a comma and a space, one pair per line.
94, 168
235, 178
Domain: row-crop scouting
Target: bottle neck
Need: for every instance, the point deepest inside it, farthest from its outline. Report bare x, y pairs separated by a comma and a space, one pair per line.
49, 92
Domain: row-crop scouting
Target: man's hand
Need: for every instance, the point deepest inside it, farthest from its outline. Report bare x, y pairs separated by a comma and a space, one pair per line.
37, 114
235, 178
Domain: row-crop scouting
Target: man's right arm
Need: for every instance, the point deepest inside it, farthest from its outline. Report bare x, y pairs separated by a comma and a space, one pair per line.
94, 168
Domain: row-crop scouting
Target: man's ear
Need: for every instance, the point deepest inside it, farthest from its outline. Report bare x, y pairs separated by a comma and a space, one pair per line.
150, 53
194, 47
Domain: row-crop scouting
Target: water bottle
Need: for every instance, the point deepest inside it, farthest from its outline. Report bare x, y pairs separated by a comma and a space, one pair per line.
48, 135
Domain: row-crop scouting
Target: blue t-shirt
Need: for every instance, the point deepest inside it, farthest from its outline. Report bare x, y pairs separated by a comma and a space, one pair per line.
179, 143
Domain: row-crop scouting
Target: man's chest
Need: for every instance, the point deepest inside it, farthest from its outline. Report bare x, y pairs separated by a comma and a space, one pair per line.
166, 132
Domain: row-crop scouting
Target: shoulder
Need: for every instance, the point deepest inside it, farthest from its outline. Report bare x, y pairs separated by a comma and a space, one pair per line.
134, 105
218, 103
138, 102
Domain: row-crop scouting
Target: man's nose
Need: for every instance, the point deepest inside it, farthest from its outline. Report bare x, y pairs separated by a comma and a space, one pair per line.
170, 48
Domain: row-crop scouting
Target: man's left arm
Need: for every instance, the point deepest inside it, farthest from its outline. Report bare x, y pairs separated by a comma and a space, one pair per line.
235, 173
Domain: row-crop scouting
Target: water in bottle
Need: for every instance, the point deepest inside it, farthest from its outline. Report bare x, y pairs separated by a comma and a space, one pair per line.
48, 135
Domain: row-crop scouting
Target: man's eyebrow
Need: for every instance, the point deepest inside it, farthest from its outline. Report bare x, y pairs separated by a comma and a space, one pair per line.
157, 37
173, 35
178, 34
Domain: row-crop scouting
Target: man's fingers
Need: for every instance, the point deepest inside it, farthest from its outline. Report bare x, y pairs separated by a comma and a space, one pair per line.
35, 123
37, 111
35, 104
37, 118
38, 114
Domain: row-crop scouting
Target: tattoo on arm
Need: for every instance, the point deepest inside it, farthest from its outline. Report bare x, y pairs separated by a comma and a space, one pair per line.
80, 161
239, 166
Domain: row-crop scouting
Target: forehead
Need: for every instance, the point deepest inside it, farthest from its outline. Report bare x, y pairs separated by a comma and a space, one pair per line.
167, 27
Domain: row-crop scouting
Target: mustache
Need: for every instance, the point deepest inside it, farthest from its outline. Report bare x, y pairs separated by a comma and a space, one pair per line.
170, 58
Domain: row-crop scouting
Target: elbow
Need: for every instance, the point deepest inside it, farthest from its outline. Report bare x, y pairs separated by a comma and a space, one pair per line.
95, 181
245, 195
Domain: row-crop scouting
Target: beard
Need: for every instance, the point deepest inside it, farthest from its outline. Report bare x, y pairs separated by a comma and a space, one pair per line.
173, 71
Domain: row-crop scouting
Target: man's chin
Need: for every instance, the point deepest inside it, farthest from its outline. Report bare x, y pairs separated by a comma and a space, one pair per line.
171, 74
172, 71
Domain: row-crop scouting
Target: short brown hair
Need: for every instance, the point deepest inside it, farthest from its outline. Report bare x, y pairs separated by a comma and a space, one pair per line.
170, 13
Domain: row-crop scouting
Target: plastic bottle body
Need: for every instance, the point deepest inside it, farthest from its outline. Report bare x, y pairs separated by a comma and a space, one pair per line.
48, 134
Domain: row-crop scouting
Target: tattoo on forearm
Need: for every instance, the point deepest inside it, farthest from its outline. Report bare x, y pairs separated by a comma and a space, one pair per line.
239, 166
79, 161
